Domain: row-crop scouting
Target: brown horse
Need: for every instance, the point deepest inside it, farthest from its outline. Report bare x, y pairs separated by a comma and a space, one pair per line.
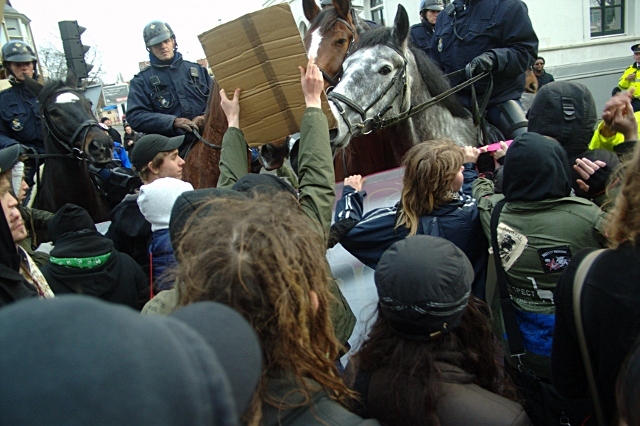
332, 35
201, 164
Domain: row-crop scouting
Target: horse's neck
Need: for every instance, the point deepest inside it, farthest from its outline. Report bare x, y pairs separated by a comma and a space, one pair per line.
64, 181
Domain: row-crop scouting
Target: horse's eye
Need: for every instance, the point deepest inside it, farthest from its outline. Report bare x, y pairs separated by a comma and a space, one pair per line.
341, 42
385, 70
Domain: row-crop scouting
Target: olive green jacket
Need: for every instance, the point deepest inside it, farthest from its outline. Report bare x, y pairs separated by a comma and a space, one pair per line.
538, 240
316, 190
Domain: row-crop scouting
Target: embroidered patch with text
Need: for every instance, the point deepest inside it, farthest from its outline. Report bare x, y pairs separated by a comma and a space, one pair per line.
554, 259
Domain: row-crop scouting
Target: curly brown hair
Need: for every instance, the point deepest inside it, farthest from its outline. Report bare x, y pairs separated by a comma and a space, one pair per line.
429, 170
623, 224
384, 350
262, 257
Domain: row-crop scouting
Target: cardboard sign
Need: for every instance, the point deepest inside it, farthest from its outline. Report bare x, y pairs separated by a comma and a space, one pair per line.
260, 53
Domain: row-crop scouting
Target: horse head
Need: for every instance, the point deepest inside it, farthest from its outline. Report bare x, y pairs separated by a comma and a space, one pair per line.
375, 80
71, 128
331, 36
389, 84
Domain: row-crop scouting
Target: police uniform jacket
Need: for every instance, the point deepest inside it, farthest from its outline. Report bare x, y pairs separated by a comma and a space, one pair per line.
421, 35
499, 26
19, 118
162, 92
625, 84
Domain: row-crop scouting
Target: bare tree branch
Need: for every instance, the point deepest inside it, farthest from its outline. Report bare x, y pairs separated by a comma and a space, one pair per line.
54, 64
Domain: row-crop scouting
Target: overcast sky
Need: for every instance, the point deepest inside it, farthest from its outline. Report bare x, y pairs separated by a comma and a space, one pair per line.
114, 27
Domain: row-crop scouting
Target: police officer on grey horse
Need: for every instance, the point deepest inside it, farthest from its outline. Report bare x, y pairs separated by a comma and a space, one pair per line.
494, 36
19, 108
170, 96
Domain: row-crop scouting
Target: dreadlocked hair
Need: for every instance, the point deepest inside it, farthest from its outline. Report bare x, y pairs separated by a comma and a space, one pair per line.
402, 360
623, 224
430, 169
262, 257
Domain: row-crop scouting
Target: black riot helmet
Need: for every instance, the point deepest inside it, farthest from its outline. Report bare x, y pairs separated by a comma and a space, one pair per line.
156, 32
19, 51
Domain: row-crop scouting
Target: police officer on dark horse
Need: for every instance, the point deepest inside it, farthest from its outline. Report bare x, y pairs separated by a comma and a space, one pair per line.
20, 121
170, 96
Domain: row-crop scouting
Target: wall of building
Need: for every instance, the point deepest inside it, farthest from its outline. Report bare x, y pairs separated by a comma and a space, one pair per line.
563, 28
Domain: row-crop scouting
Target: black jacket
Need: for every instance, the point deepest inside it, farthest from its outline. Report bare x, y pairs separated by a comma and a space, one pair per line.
12, 286
119, 280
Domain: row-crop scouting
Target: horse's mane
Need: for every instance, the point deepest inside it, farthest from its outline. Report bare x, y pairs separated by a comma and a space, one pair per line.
432, 76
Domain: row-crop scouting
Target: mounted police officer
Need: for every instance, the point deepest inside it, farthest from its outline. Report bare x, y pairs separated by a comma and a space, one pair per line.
19, 108
170, 96
495, 36
422, 33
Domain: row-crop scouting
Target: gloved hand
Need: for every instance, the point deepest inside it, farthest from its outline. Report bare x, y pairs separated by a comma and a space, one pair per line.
485, 62
199, 121
184, 124
27, 150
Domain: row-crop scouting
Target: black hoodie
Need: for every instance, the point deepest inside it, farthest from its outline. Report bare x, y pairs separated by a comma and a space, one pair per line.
567, 112
119, 279
535, 169
12, 286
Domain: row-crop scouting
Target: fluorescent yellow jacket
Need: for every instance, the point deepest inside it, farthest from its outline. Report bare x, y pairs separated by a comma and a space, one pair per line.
598, 141
625, 84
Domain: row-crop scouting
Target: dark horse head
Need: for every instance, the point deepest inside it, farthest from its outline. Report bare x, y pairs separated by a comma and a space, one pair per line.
74, 143
69, 123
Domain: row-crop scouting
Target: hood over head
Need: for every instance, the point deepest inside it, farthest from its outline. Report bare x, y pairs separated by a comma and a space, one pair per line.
70, 218
535, 169
567, 112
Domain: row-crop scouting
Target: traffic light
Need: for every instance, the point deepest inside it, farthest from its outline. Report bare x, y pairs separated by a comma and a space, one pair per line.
74, 50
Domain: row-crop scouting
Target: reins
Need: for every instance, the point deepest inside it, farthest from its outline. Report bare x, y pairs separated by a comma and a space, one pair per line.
368, 125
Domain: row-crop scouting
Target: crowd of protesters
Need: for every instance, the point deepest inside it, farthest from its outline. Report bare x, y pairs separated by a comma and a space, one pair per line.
241, 321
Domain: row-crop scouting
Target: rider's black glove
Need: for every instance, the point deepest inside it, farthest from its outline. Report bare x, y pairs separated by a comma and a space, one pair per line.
485, 62
27, 150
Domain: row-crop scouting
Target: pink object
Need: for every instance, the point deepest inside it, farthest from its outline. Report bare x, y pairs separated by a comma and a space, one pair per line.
495, 146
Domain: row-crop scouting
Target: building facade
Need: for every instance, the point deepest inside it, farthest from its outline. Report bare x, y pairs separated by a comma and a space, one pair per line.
587, 41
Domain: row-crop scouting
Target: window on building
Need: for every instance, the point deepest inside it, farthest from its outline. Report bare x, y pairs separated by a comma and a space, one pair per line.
607, 17
377, 11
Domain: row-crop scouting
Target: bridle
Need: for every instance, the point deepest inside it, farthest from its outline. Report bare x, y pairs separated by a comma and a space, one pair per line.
336, 78
377, 122
61, 139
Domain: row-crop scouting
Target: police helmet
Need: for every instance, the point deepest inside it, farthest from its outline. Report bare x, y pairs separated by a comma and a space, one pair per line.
435, 5
156, 32
19, 51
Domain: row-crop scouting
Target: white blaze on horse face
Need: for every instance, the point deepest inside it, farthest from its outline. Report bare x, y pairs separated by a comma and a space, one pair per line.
316, 39
67, 97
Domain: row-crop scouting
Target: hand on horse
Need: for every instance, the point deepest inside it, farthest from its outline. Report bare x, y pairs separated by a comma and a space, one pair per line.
485, 62
231, 107
199, 121
355, 181
184, 124
312, 84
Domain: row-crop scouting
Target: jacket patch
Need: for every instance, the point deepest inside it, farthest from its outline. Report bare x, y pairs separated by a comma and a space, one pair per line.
554, 259
16, 125
511, 244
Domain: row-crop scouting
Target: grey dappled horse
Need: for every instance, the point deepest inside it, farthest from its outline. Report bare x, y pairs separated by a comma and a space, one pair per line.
382, 79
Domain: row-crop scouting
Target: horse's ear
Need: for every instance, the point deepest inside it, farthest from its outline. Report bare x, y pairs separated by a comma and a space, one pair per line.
32, 85
311, 9
72, 78
343, 8
400, 31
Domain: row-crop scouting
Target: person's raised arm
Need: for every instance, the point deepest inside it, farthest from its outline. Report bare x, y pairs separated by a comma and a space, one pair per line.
233, 158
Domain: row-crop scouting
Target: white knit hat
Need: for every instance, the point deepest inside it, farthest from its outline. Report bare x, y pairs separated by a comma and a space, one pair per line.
157, 198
